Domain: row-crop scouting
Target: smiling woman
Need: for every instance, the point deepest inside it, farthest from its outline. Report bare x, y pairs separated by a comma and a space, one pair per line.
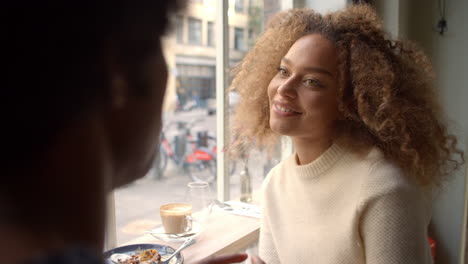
370, 144
303, 93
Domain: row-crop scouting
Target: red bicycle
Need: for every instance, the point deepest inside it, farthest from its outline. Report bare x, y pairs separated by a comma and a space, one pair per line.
195, 156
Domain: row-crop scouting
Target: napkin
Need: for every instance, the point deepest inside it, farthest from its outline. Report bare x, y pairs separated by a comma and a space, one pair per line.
241, 208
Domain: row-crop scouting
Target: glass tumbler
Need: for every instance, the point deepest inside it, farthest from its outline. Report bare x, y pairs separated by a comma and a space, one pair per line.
200, 197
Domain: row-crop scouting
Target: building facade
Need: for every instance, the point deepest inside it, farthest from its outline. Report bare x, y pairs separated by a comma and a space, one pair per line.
190, 49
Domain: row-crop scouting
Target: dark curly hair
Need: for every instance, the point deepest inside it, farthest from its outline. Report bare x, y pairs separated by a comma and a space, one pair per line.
386, 97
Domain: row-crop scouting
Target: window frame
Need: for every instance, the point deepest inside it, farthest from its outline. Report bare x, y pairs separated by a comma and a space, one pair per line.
222, 104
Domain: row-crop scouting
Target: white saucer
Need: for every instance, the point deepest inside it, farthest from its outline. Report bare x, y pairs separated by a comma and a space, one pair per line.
159, 233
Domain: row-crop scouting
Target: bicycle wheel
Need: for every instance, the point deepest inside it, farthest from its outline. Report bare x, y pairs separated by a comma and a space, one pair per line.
159, 164
202, 170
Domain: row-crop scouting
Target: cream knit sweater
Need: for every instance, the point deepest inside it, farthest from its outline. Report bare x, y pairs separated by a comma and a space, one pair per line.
343, 208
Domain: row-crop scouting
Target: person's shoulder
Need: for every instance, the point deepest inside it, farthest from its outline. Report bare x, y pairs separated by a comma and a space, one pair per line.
385, 176
76, 254
388, 184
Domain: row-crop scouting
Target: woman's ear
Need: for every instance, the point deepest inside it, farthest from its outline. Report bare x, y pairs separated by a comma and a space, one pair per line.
118, 90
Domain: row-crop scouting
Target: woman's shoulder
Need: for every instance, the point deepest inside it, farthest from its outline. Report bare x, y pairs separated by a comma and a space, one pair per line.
387, 185
76, 254
384, 178
384, 172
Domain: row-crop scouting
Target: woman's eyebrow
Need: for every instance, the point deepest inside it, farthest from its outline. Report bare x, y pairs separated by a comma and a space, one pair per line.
311, 69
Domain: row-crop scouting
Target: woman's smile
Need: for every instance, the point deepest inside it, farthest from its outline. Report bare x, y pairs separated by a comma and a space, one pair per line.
284, 109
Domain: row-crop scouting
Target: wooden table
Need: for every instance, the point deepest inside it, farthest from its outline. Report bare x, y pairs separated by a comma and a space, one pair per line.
225, 233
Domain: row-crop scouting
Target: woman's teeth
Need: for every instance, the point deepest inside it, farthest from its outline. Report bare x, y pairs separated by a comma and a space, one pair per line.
283, 109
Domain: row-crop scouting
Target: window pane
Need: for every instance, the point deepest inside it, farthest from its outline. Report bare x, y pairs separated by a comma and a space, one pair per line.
194, 31
179, 29
210, 41
249, 171
189, 124
238, 38
189, 118
239, 6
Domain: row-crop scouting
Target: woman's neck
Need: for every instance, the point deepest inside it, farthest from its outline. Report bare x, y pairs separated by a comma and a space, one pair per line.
309, 149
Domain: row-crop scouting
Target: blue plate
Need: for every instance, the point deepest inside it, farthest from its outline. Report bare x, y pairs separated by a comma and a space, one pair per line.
130, 249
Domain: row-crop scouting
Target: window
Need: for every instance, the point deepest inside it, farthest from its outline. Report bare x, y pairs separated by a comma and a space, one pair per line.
239, 6
200, 79
239, 38
194, 31
191, 97
179, 29
210, 35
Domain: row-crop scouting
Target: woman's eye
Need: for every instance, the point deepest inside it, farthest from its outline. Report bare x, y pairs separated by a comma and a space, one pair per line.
282, 71
313, 82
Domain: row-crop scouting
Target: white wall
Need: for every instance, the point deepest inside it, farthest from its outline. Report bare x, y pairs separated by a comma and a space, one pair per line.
450, 56
390, 14
416, 21
324, 6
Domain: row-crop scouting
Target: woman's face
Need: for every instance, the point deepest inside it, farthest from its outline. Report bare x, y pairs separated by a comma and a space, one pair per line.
303, 93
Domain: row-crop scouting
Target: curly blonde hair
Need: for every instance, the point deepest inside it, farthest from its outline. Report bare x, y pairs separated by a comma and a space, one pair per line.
386, 97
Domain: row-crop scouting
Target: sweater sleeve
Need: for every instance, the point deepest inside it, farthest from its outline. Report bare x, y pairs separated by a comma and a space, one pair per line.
267, 250
393, 227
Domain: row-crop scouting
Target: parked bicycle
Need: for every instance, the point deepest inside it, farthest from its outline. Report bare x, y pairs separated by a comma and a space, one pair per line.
194, 155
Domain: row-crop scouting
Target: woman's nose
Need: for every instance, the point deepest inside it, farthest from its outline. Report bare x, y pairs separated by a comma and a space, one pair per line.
287, 88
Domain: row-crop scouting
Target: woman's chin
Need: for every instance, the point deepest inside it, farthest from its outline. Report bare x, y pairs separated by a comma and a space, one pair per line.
280, 128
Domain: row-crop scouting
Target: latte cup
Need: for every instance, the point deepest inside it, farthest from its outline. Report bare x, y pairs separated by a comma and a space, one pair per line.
176, 217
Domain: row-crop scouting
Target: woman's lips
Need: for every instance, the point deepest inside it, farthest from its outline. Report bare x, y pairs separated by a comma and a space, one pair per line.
283, 110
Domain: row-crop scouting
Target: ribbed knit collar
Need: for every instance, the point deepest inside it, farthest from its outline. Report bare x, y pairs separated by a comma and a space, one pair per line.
319, 165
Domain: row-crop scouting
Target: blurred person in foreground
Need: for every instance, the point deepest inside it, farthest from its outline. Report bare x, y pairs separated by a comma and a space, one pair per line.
369, 137
81, 110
